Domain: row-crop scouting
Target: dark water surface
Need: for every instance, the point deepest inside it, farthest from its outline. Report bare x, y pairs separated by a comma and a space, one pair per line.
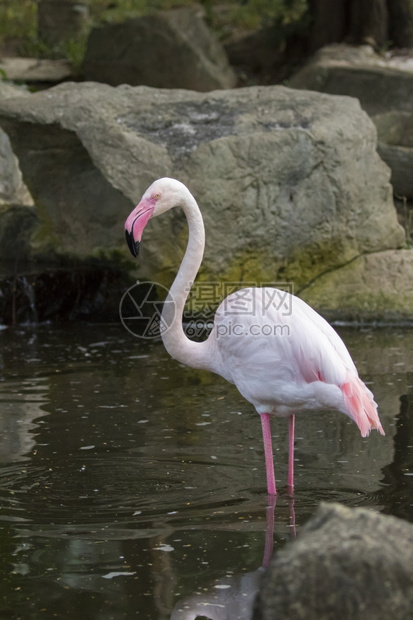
132, 486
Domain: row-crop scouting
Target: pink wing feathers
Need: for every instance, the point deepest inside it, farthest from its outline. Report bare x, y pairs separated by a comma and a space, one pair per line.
310, 350
358, 398
361, 406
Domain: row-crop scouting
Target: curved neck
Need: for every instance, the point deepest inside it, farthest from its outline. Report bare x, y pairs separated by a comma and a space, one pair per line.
176, 342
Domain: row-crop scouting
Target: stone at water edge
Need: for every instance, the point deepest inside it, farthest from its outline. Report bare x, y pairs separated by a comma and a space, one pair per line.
351, 564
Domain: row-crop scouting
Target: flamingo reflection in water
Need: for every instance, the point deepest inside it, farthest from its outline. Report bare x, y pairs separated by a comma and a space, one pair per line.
232, 598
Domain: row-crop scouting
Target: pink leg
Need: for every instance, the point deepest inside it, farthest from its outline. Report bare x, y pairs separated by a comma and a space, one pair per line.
291, 423
269, 462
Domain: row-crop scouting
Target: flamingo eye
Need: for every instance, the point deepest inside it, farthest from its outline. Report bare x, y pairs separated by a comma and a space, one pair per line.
157, 196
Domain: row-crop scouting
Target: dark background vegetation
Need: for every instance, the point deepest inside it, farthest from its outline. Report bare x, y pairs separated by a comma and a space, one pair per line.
278, 32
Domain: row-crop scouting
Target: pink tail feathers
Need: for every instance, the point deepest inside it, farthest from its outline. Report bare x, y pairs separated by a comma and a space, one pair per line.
361, 406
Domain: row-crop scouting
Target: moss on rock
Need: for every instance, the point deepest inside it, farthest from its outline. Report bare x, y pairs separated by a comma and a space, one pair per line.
372, 287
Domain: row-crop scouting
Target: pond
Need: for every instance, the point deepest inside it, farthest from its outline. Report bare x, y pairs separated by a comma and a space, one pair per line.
132, 486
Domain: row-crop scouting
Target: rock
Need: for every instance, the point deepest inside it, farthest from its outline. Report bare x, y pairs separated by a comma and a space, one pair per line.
60, 20
384, 87
8, 90
289, 182
169, 49
17, 224
351, 564
17, 216
12, 188
381, 84
36, 69
258, 57
375, 287
395, 147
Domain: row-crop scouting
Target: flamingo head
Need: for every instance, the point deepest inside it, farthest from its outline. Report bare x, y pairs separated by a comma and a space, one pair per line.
161, 196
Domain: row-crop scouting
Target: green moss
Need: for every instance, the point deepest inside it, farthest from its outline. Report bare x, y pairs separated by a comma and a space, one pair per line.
44, 240
361, 291
255, 267
301, 267
308, 263
246, 266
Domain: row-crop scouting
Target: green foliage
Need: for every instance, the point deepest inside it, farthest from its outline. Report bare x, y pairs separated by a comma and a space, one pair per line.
74, 50
18, 18
257, 13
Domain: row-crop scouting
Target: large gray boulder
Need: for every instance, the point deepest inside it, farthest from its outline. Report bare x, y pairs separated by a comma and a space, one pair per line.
351, 564
168, 49
289, 182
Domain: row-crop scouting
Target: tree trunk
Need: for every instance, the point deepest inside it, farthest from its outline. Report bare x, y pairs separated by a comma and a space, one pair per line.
369, 22
329, 22
401, 22
377, 22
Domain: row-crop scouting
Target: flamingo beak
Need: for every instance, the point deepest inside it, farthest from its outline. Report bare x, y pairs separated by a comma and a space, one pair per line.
136, 223
132, 244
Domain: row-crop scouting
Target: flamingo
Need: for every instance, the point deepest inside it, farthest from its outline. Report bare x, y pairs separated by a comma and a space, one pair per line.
283, 357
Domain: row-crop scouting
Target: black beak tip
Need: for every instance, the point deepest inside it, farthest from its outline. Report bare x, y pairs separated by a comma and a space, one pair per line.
132, 244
